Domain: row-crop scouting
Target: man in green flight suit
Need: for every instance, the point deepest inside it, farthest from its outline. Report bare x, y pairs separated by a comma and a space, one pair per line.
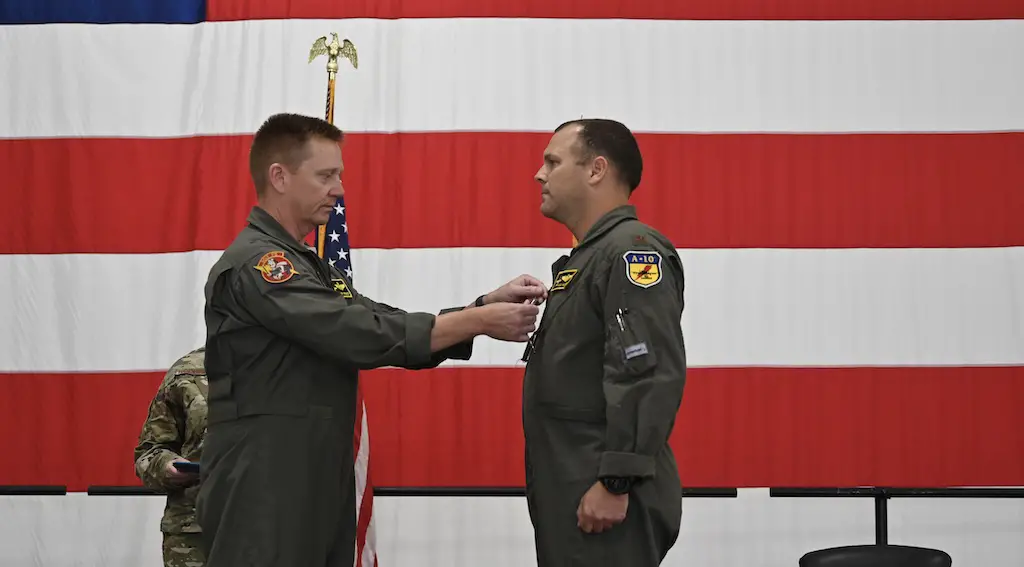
173, 431
606, 368
287, 335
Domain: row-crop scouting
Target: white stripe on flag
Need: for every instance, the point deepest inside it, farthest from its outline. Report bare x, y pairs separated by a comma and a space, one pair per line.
708, 76
745, 307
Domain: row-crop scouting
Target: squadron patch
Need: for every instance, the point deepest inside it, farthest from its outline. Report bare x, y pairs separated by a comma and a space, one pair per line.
643, 269
275, 268
341, 287
562, 279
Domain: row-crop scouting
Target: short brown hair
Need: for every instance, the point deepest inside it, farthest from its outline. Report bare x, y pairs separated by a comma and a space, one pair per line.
282, 139
611, 139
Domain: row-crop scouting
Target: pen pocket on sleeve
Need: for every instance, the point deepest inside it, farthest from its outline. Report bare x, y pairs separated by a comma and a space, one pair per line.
637, 352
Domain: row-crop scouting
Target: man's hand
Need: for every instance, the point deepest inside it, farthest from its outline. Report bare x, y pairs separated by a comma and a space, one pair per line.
175, 476
509, 321
599, 509
525, 288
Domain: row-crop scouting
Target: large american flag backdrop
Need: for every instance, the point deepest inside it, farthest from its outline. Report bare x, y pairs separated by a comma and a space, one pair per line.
845, 181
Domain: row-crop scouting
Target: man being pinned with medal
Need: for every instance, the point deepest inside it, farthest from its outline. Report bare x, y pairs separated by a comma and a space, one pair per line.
606, 367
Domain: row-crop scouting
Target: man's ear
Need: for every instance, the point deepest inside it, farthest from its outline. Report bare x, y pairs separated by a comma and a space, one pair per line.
277, 175
598, 170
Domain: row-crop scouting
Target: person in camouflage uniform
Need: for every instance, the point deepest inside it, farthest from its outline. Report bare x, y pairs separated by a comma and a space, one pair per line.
173, 431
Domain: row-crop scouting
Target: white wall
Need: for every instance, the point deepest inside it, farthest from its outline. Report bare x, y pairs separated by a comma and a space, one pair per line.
753, 530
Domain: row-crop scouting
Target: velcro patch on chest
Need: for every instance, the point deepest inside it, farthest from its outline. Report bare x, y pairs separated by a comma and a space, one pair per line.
643, 269
633, 351
562, 279
341, 287
275, 268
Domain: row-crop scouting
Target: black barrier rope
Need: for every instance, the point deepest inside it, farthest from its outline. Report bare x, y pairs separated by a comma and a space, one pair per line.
881, 496
383, 491
33, 490
520, 492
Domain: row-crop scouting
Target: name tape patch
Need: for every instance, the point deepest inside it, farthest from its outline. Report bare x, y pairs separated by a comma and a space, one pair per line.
636, 350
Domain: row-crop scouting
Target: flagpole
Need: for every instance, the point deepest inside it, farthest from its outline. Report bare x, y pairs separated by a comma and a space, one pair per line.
332, 50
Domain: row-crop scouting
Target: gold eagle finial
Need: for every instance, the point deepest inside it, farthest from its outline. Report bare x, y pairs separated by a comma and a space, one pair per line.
333, 50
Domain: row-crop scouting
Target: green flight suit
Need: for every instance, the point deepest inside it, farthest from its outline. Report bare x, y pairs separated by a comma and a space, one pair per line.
603, 384
286, 337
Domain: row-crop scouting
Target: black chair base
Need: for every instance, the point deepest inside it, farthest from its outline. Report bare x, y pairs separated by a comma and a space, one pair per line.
876, 556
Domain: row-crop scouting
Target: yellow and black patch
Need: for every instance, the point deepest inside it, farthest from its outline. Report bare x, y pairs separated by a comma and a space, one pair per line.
643, 269
341, 287
275, 268
562, 279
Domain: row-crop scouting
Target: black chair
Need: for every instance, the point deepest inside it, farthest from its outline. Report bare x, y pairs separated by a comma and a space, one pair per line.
876, 556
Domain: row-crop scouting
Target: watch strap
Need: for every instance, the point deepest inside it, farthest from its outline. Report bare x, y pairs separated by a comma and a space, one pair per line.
617, 484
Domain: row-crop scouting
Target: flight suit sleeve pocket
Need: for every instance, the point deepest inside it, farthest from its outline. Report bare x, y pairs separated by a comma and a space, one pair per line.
634, 350
638, 359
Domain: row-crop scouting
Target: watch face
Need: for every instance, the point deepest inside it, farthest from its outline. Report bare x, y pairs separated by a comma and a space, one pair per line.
616, 485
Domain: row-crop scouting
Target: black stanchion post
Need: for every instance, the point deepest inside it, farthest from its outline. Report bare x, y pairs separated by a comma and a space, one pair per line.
882, 518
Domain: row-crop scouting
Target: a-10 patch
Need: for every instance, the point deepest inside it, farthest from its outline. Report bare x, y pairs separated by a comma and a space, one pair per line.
643, 268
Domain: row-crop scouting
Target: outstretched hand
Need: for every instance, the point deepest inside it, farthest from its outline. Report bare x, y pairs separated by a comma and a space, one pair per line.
509, 321
523, 289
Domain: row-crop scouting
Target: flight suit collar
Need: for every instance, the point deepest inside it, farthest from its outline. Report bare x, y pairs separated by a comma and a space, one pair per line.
607, 222
602, 226
262, 221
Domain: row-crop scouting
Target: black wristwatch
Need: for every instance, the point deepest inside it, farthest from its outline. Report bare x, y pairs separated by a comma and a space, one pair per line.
479, 301
617, 484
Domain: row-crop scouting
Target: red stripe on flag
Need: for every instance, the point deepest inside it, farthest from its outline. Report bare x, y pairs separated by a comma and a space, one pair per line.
743, 427
366, 503
703, 191
83, 437
462, 427
661, 10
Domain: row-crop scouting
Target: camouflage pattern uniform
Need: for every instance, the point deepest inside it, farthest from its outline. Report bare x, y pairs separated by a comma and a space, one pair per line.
175, 428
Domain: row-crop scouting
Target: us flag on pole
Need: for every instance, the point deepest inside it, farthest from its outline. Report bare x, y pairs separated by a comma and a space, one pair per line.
338, 254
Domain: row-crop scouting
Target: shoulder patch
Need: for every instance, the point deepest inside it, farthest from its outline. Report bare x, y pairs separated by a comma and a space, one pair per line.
275, 268
643, 269
562, 279
341, 287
